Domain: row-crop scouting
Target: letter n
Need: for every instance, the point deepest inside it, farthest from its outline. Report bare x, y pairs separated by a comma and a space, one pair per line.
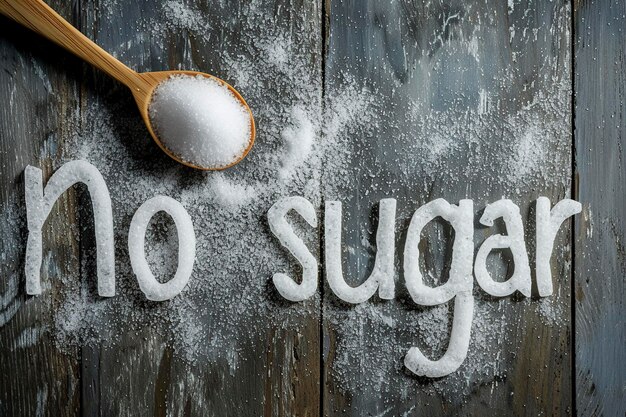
39, 203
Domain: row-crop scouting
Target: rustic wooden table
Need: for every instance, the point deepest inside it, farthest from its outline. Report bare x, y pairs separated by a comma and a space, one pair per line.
425, 99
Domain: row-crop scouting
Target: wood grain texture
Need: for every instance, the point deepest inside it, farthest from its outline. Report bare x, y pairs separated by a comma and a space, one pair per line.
600, 134
458, 100
268, 363
39, 93
41, 18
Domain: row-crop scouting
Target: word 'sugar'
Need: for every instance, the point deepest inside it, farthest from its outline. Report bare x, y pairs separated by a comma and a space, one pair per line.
459, 285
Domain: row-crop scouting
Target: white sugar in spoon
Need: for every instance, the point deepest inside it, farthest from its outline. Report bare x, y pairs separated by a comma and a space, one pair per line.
39, 17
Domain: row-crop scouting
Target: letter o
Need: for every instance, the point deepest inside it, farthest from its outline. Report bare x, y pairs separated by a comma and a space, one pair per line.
153, 289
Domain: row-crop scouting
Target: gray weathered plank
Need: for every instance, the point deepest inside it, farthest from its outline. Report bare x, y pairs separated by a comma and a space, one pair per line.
600, 91
228, 345
457, 100
39, 92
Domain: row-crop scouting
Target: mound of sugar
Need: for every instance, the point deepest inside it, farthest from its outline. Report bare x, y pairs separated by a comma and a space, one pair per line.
200, 120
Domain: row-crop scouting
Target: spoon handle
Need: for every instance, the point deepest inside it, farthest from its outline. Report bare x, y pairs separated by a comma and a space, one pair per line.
40, 18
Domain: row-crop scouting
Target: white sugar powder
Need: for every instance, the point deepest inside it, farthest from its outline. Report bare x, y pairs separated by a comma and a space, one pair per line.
200, 120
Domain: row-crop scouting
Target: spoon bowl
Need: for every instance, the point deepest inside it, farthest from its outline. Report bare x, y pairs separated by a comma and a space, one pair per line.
39, 17
143, 90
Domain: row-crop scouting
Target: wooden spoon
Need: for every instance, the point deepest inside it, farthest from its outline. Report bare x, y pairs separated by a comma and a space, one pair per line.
39, 17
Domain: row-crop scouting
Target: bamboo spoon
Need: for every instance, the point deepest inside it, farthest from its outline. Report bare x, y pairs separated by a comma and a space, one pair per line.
39, 17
